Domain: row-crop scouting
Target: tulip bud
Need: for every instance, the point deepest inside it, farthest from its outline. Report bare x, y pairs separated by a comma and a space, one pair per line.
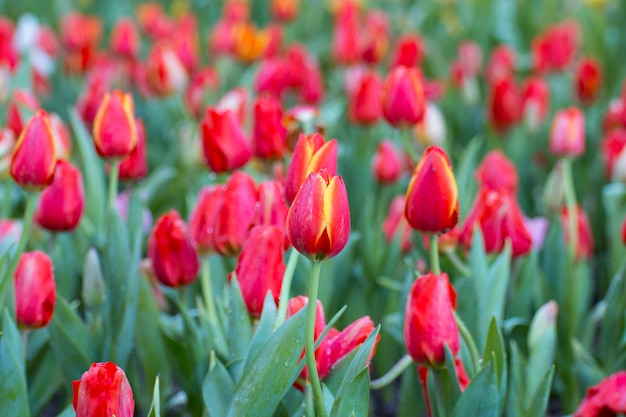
114, 128
260, 267
431, 130
501, 64
269, 137
21, 107
35, 290
375, 40
403, 100
535, 102
135, 166
236, 215
93, 292
345, 43
223, 141
61, 204
584, 235
543, 326
606, 399
311, 154
125, 40
433, 182
284, 10
554, 192
587, 80
554, 49
567, 135
498, 173
7, 143
318, 222
429, 323
203, 216
396, 226
387, 164
34, 156
172, 252
364, 106
409, 52
103, 391
504, 105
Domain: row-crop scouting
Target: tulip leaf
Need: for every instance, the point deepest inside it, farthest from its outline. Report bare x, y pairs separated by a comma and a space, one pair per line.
13, 389
239, 329
613, 317
45, 381
264, 329
494, 345
464, 171
541, 345
92, 170
155, 407
412, 401
354, 400
542, 394
272, 369
516, 401
71, 341
217, 389
481, 396
452, 387
68, 412
613, 198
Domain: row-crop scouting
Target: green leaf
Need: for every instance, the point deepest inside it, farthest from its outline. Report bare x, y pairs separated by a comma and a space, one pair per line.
495, 345
217, 389
412, 401
239, 329
542, 394
541, 346
493, 296
13, 389
613, 317
516, 401
68, 412
155, 407
44, 380
481, 396
264, 329
272, 369
354, 400
464, 171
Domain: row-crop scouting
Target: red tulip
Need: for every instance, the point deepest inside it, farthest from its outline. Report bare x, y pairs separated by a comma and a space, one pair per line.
21, 107
235, 100
504, 104
114, 129
432, 181
387, 163
587, 80
165, 72
535, 101
305, 75
567, 134
273, 208
498, 173
35, 290
80, 35
364, 105
125, 40
224, 143
9, 56
605, 399
61, 204
429, 323
345, 44
34, 156
403, 99
135, 166
624, 231
555, 49
201, 86
499, 218
318, 222
260, 267
92, 94
615, 116
284, 10
584, 235
396, 226
154, 21
274, 77
172, 252
203, 216
269, 137
103, 391
468, 61
375, 38
409, 52
501, 64
236, 215
311, 154
7, 143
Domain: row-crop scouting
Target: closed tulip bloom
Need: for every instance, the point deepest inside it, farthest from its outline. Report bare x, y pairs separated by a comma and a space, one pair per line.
555, 49
269, 136
125, 40
504, 104
387, 163
135, 167
498, 173
429, 323
260, 267
165, 72
203, 216
587, 80
501, 64
396, 226
584, 235
535, 102
409, 52
35, 290
172, 252
403, 99
224, 143
567, 135
364, 106
103, 391
434, 183
615, 115
310, 154
236, 215
61, 204
318, 222
114, 128
7, 143
606, 399
34, 156
284, 10
613, 147
346, 36
375, 39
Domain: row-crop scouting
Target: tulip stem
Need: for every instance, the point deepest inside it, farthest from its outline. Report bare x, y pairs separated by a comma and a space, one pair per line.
286, 288
434, 254
207, 293
115, 170
469, 341
458, 263
318, 395
407, 143
6, 202
393, 373
570, 200
439, 393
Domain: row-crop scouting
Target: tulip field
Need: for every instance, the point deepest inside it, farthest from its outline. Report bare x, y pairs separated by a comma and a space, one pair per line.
337, 208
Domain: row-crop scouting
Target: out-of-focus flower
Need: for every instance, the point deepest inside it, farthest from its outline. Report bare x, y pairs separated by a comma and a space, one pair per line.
537, 228
387, 163
587, 80
125, 40
260, 267
396, 226
274, 33
34, 156
613, 146
305, 75
311, 154
269, 136
555, 49
567, 134
80, 36
403, 99
432, 299
7, 143
8, 55
318, 222
498, 173
165, 72
273, 208
535, 102
284, 10
172, 251
467, 63
409, 52
431, 130
299, 119
135, 167
615, 116
185, 41
605, 399
365, 105
584, 235
203, 216
203, 84
501, 64
154, 21
10, 233
432, 181
235, 100
114, 128
346, 35
624, 232
222, 37
236, 216
35, 290
21, 107
103, 391
446, 242
504, 104
61, 204
375, 38
250, 42
224, 143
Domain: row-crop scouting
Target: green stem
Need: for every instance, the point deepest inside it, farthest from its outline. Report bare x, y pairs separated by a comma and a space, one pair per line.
439, 393
6, 203
570, 200
207, 292
407, 143
115, 165
308, 401
459, 264
469, 341
434, 254
318, 395
392, 374
286, 288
